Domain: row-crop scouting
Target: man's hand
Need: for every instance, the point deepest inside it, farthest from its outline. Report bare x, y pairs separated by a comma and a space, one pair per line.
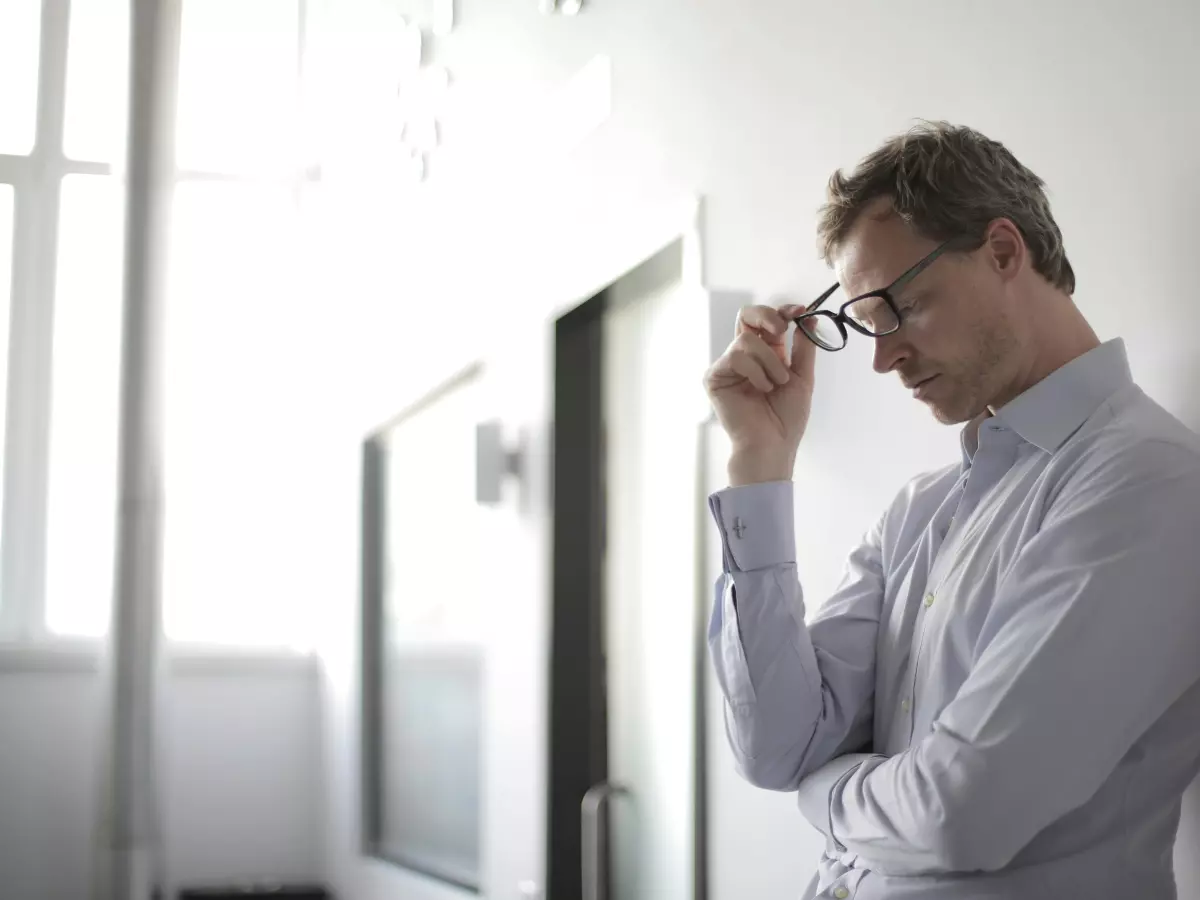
761, 396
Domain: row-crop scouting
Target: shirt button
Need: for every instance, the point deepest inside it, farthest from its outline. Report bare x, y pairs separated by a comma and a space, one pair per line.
905, 704
929, 600
841, 893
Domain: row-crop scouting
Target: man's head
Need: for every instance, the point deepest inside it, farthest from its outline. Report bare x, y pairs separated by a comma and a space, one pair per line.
976, 319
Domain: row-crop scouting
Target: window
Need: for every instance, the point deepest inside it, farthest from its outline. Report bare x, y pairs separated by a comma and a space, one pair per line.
234, 490
85, 362
239, 87
235, 518
233, 514
20, 30
60, 323
96, 96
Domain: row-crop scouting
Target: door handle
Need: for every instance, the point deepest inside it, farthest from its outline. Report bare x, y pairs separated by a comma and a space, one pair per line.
595, 861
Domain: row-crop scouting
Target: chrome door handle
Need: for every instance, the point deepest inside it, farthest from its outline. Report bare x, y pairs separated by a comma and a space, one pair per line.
594, 819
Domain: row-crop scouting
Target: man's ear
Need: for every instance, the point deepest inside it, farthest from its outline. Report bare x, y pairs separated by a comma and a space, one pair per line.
1004, 248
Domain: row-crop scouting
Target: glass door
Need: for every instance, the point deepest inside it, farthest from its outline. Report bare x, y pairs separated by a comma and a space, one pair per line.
649, 811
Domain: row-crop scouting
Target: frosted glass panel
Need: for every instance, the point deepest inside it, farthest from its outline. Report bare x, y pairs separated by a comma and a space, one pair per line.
652, 357
81, 518
97, 80
20, 32
431, 761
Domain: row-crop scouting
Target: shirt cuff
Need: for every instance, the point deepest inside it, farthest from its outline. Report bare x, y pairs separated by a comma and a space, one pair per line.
813, 795
757, 524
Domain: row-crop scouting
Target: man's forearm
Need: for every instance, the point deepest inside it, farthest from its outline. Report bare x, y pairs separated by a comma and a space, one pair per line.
773, 703
790, 705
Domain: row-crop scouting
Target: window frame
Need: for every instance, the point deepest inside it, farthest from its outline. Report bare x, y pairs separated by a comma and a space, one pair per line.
36, 180
375, 633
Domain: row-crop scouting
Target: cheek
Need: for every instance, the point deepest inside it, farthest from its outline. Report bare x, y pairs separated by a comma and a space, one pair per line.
931, 333
953, 325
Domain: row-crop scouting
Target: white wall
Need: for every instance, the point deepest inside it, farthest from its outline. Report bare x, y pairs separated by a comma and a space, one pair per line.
752, 106
240, 782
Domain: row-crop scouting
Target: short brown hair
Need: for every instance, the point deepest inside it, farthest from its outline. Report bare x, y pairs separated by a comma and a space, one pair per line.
948, 181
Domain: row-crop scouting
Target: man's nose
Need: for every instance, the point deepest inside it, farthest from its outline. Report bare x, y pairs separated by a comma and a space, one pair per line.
889, 353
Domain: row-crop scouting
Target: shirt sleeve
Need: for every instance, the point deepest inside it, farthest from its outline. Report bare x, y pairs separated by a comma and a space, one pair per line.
795, 695
1090, 640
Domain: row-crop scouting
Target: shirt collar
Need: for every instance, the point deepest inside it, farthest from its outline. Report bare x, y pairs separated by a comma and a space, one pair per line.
1052, 410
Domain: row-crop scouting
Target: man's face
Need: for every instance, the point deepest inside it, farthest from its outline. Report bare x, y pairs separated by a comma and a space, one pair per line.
957, 348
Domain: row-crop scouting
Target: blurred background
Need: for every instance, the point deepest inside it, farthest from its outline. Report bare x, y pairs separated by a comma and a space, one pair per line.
435, 282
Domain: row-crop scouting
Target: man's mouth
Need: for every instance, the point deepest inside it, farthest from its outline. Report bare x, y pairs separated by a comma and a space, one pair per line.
920, 388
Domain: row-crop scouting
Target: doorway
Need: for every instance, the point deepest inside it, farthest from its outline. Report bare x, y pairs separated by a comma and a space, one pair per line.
626, 781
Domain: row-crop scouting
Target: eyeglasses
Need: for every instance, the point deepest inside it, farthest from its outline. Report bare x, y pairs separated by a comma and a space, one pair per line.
874, 314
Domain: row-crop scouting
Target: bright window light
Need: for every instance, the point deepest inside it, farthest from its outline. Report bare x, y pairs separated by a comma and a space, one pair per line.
20, 33
236, 531
235, 508
239, 87
82, 510
97, 80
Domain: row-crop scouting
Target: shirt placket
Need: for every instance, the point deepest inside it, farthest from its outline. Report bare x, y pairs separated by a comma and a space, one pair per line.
992, 459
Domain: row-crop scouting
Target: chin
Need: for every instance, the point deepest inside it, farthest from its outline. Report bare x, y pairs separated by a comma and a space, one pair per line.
954, 413
946, 417
952, 401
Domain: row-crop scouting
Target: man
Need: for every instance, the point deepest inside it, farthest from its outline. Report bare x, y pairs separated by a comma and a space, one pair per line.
1002, 699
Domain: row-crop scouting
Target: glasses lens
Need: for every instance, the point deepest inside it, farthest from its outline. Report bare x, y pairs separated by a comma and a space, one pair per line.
874, 315
824, 331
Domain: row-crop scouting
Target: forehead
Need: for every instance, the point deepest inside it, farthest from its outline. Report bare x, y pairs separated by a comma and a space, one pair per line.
878, 249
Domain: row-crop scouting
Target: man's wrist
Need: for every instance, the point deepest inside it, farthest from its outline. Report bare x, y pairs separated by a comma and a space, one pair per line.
755, 468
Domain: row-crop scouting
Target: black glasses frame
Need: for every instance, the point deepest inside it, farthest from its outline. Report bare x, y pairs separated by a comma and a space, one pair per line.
841, 320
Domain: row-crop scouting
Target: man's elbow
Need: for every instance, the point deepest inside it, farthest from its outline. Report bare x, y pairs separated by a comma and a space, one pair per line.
761, 757
968, 840
772, 774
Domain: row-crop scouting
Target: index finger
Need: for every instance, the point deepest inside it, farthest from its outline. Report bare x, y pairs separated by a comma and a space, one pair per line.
765, 320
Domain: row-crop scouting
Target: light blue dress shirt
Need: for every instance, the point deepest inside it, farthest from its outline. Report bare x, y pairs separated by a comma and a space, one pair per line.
1001, 701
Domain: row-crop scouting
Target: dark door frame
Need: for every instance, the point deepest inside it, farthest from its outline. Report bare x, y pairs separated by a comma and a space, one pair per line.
578, 713
578, 752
